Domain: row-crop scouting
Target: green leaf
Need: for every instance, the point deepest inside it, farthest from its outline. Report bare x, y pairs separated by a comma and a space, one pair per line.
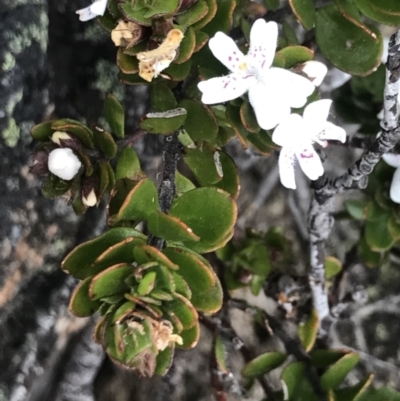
110, 281
248, 117
128, 165
297, 385
394, 228
378, 235
104, 177
263, 364
137, 204
170, 228
308, 331
272, 4
200, 277
178, 72
53, 186
183, 184
213, 219
193, 14
135, 12
212, 10
351, 46
115, 116
123, 311
105, 142
162, 97
322, 358
332, 266
190, 337
187, 46
230, 180
82, 132
162, 7
368, 256
222, 20
128, 64
262, 142
335, 374
205, 165
83, 256
386, 12
42, 132
381, 394
81, 304
374, 212
147, 253
200, 123
201, 40
233, 116
220, 354
183, 310
120, 252
304, 11
353, 393
107, 21
164, 361
356, 208
165, 122
294, 55
146, 284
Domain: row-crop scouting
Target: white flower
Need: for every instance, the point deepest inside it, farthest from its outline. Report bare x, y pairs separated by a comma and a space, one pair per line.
63, 163
296, 136
272, 91
394, 161
98, 7
314, 70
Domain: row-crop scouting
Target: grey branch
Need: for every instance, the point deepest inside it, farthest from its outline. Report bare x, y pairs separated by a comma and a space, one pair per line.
320, 221
166, 193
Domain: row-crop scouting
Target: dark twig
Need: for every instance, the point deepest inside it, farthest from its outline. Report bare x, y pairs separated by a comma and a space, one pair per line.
320, 221
166, 192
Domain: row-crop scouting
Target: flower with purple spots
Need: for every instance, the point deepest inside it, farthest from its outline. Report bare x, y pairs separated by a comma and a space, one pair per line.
297, 134
272, 91
98, 7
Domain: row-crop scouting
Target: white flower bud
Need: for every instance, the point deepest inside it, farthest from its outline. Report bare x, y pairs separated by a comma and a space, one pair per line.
90, 200
59, 135
315, 70
64, 163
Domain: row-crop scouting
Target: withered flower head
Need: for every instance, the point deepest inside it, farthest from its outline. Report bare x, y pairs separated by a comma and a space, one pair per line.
126, 34
152, 62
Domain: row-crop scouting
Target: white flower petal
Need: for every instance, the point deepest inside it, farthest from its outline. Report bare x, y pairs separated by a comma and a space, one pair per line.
268, 104
392, 159
310, 163
95, 9
286, 168
315, 116
332, 132
222, 89
64, 163
293, 87
395, 187
263, 41
315, 70
289, 132
225, 50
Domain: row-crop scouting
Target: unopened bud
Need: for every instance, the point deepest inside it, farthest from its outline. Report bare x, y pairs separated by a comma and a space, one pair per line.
40, 160
64, 163
90, 200
59, 135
